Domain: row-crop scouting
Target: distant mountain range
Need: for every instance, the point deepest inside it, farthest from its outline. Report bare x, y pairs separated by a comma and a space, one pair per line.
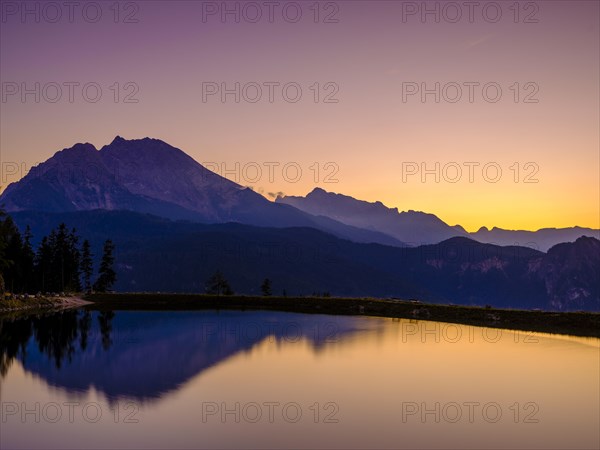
171, 219
543, 239
418, 228
150, 176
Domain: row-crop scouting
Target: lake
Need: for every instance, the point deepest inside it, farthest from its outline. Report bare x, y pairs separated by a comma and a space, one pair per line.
262, 379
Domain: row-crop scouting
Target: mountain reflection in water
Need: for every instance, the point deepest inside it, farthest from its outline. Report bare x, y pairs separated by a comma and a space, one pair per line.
143, 355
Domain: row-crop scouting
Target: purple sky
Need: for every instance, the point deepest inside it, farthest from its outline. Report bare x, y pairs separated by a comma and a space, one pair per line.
371, 141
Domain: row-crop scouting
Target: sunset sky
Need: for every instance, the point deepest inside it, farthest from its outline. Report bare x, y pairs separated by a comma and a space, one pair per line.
371, 135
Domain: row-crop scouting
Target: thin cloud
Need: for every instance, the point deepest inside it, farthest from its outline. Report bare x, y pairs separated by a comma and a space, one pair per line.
475, 43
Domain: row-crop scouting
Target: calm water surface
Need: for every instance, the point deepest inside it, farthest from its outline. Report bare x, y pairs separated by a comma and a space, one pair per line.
208, 379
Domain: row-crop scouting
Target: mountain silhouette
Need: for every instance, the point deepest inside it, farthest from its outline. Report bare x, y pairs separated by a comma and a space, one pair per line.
174, 223
150, 176
417, 228
413, 227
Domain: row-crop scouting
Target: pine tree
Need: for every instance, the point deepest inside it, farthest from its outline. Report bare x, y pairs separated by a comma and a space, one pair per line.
218, 285
266, 288
52, 265
43, 263
28, 259
73, 262
61, 255
12, 245
5, 263
58, 260
87, 265
106, 275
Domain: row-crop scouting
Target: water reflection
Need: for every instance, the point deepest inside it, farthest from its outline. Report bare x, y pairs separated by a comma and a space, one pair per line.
208, 379
143, 355
55, 336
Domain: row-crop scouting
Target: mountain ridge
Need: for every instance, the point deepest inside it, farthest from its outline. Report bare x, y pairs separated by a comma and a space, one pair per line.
150, 176
416, 227
156, 254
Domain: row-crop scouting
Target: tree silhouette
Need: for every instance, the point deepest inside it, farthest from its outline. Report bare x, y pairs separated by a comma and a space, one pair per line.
87, 265
74, 262
57, 265
28, 259
4, 263
218, 285
265, 288
43, 265
11, 248
61, 244
106, 274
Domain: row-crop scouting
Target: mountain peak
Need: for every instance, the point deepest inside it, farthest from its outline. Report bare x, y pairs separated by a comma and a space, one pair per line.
317, 191
118, 139
76, 154
79, 147
145, 151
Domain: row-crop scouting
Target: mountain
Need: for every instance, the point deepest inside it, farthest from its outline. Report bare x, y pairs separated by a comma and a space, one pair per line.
412, 227
542, 239
417, 228
155, 254
174, 223
150, 176
571, 274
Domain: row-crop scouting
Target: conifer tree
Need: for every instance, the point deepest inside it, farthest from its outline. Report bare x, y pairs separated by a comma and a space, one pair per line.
218, 285
87, 265
106, 275
266, 288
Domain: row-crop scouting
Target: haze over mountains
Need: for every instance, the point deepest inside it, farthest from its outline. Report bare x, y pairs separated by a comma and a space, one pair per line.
417, 228
137, 192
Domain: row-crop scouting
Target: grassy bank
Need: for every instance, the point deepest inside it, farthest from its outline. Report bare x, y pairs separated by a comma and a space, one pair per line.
576, 323
38, 302
15, 303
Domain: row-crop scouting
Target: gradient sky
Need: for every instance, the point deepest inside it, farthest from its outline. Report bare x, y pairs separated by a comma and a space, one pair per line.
368, 134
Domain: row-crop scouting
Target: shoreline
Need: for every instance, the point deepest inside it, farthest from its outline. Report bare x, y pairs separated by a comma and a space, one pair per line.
583, 324
42, 303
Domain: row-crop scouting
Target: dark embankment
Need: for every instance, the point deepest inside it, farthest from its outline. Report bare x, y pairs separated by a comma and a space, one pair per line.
573, 323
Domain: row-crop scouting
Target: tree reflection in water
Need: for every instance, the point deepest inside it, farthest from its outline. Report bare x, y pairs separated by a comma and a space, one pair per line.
56, 335
144, 355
